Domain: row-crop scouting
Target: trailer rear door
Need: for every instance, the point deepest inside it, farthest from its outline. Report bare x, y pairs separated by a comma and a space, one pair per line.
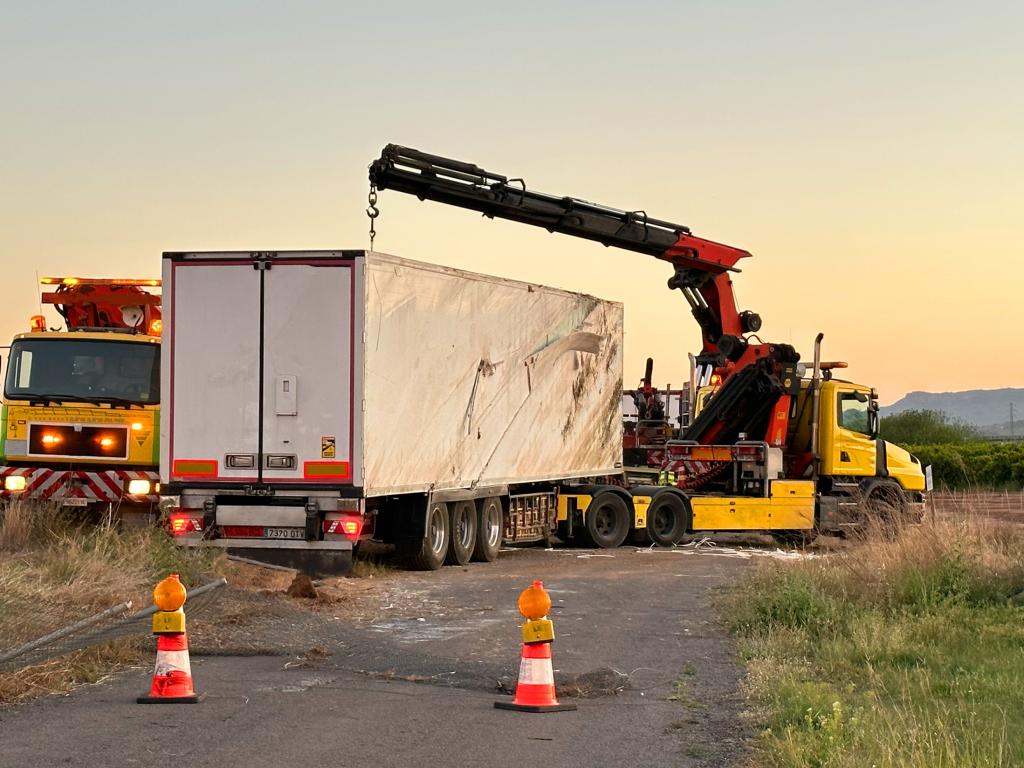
260, 356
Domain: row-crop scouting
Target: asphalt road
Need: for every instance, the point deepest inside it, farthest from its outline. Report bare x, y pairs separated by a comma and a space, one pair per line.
406, 673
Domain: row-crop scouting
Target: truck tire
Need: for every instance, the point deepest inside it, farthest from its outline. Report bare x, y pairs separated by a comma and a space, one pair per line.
428, 553
489, 528
667, 519
607, 521
885, 508
462, 536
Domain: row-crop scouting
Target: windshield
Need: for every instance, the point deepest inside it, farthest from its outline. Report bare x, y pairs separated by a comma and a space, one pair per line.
84, 370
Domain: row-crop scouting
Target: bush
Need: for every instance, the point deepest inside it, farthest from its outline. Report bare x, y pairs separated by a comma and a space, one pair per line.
976, 464
925, 427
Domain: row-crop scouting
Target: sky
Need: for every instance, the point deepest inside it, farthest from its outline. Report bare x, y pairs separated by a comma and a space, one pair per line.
870, 156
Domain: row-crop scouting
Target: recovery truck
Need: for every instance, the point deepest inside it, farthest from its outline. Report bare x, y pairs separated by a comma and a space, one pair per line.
80, 414
771, 450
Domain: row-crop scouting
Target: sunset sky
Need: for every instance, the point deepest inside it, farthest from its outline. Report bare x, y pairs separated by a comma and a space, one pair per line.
870, 155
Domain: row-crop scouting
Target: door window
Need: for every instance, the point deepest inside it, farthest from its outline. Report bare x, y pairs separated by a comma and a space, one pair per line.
853, 412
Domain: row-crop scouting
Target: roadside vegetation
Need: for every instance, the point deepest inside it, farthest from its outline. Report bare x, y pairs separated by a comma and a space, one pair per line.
961, 459
906, 652
57, 567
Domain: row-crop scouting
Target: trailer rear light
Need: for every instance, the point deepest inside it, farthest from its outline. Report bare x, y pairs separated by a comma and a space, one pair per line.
185, 521
15, 483
349, 526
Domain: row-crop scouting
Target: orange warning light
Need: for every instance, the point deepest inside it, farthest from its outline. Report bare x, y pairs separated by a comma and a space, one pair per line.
534, 602
169, 594
38, 323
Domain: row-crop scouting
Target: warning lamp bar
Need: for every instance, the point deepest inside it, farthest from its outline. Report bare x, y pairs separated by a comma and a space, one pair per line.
99, 281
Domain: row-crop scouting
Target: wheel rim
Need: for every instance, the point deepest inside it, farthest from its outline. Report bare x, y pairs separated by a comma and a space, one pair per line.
436, 531
604, 522
492, 524
464, 530
664, 521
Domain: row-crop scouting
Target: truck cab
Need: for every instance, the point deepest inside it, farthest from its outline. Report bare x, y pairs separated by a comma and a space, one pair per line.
79, 422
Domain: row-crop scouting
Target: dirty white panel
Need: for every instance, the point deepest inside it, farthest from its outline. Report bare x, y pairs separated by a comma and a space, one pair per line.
475, 380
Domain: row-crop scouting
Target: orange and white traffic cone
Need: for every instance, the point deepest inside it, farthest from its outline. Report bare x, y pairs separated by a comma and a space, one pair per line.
172, 677
535, 689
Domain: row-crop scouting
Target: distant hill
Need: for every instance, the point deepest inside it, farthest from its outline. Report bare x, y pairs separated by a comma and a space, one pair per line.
980, 407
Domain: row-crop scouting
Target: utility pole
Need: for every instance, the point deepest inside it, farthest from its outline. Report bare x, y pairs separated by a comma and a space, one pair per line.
1011, 421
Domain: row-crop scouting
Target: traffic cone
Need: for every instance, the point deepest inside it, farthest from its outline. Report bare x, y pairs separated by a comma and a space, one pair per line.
172, 677
535, 689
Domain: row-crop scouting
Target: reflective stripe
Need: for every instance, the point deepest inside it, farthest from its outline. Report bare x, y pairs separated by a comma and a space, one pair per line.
536, 672
172, 661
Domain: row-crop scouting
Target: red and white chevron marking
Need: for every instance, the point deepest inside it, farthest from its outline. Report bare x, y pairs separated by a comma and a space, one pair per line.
42, 483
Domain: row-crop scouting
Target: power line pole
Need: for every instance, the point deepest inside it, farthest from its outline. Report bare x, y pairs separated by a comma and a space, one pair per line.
1011, 421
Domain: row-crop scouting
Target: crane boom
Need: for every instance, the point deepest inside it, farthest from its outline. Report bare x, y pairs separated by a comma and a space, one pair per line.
702, 266
701, 272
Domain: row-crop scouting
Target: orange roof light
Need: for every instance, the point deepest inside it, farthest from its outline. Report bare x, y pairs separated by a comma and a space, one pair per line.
38, 323
99, 281
156, 327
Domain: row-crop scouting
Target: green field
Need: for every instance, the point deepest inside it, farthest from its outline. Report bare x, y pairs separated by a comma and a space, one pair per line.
891, 653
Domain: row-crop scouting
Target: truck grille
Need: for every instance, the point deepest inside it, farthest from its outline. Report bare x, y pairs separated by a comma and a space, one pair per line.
70, 440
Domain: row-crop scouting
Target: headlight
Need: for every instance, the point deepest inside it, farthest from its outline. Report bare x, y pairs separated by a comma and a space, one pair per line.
14, 483
139, 487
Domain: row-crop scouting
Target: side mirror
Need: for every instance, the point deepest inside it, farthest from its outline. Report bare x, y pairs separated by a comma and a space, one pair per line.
861, 397
873, 422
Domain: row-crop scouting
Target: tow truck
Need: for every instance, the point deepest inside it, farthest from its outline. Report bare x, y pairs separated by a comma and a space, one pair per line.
770, 449
79, 423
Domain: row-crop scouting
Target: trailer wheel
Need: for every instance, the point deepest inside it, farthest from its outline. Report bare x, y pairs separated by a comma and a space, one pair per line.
462, 539
667, 519
607, 521
489, 527
428, 553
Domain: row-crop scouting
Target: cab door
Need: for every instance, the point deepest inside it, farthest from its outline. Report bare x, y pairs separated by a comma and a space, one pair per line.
853, 451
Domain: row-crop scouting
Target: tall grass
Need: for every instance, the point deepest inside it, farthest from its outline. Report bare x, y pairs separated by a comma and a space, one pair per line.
893, 653
58, 566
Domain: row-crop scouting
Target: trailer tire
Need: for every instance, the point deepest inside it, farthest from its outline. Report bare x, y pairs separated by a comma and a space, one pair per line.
428, 553
462, 523
668, 519
607, 521
489, 529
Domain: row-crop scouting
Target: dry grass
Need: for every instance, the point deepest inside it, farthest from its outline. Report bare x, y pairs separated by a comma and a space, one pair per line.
57, 567
894, 652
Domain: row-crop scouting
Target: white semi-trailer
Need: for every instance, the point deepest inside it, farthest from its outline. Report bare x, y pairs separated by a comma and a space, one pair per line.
317, 398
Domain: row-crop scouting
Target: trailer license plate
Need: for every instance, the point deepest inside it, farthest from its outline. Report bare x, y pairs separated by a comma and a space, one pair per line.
284, 533
74, 502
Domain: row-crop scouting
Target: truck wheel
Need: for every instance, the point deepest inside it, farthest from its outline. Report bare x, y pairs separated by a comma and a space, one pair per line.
429, 552
667, 519
489, 527
885, 508
462, 539
607, 521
